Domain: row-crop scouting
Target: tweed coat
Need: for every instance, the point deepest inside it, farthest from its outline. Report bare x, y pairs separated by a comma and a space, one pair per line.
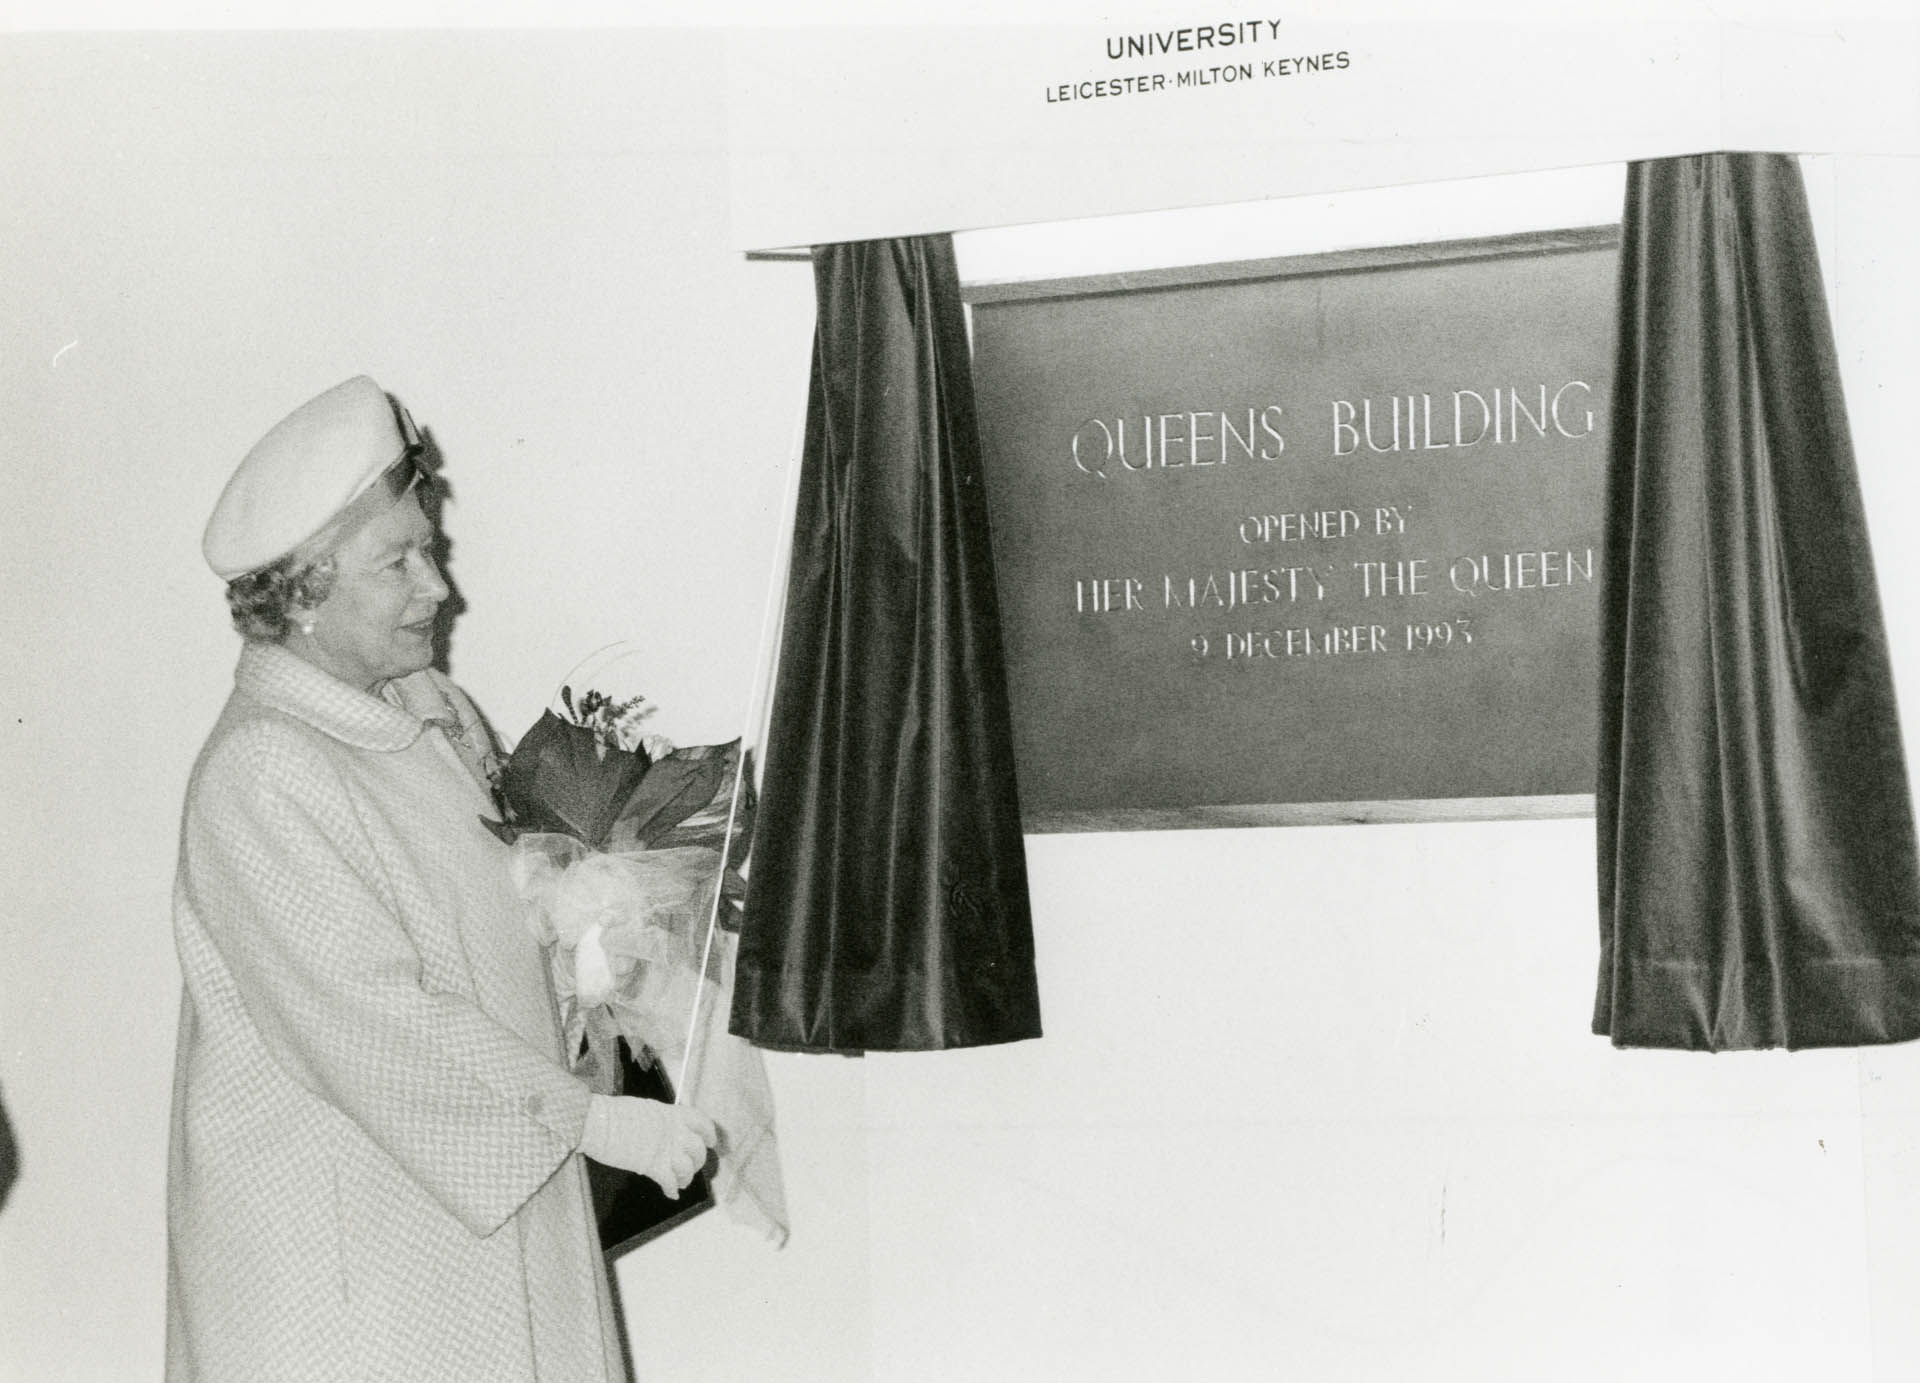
372, 1168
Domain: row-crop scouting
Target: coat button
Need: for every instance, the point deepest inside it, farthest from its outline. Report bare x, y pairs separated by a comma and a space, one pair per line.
533, 1104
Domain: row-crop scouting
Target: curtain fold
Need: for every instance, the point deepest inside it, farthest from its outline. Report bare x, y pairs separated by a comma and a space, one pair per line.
1758, 881
888, 905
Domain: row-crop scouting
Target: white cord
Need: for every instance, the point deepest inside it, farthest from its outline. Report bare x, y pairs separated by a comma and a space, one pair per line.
757, 698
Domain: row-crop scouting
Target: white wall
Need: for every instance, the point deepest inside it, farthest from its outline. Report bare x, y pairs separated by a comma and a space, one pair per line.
1323, 1103
1312, 1103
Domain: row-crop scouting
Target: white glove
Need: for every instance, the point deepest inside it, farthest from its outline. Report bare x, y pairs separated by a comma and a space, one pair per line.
666, 1142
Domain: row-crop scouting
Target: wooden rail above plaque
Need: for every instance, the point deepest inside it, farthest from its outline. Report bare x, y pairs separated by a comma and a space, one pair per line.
1302, 540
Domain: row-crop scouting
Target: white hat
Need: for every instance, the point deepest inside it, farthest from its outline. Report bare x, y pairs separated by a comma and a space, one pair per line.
313, 464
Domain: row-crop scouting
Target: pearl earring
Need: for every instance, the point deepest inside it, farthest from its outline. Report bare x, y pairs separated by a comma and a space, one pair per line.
306, 627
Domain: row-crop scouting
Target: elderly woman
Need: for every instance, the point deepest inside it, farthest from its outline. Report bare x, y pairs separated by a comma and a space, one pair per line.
374, 1162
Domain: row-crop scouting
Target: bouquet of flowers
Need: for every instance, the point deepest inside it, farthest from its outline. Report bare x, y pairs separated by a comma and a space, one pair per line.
628, 852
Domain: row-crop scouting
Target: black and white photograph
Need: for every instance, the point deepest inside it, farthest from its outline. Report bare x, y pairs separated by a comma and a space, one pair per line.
901, 694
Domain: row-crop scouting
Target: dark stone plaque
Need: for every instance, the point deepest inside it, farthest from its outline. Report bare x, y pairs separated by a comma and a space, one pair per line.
1303, 540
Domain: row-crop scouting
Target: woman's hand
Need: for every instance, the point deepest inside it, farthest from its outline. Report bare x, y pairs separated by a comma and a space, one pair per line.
666, 1142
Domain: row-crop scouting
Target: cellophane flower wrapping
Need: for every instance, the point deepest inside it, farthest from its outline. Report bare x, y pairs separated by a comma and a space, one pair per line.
618, 853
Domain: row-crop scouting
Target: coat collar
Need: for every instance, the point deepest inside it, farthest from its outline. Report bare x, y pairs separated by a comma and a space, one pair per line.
287, 682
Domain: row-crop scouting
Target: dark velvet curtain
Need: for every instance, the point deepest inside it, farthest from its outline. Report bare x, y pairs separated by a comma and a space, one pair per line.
888, 904
1758, 885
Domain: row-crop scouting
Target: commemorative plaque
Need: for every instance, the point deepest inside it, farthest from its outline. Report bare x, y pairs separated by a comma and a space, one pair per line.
1302, 540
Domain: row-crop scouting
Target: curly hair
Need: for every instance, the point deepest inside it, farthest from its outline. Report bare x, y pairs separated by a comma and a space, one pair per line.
262, 601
